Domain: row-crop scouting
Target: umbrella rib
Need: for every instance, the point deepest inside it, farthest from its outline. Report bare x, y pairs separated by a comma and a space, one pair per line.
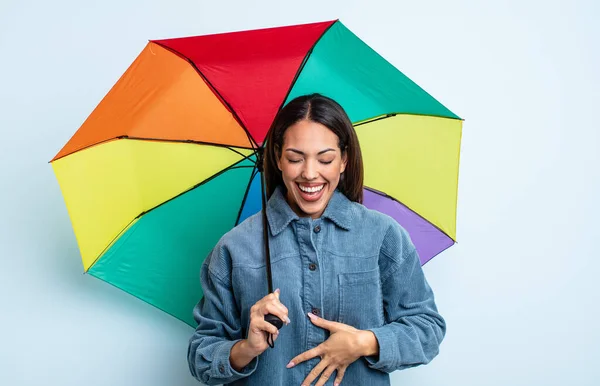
186, 141
246, 195
371, 120
230, 167
304, 61
214, 90
112, 242
160, 140
241, 167
391, 115
237, 152
382, 194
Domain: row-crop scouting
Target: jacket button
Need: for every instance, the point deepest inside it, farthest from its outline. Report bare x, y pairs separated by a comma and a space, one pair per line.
221, 369
316, 311
312, 267
317, 229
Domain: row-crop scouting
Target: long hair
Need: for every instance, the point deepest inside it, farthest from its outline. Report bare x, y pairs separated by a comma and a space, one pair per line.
326, 111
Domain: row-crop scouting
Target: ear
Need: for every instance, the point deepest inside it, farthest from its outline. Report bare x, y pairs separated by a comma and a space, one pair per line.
278, 157
344, 160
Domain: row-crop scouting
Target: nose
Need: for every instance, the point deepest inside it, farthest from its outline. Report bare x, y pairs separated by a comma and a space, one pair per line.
309, 172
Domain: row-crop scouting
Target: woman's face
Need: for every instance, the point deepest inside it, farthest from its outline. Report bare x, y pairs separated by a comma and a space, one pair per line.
311, 163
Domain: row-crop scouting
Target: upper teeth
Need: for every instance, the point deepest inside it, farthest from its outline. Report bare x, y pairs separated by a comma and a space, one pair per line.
311, 189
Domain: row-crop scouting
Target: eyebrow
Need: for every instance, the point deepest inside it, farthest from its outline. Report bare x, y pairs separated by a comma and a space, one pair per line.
302, 153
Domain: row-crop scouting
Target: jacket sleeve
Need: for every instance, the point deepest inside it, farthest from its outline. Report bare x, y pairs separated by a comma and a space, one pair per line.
219, 326
414, 329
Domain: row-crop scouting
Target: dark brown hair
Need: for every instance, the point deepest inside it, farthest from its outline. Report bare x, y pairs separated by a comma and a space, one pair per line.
326, 111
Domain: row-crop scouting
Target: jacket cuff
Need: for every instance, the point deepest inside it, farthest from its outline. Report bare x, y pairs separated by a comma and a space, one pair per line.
221, 365
388, 356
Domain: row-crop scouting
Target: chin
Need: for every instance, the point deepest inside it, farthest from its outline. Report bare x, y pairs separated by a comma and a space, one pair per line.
314, 209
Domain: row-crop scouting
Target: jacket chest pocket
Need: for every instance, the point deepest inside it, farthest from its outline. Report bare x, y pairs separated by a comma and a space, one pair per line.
361, 302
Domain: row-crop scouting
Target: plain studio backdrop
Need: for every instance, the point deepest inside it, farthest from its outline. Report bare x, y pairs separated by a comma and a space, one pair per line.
519, 291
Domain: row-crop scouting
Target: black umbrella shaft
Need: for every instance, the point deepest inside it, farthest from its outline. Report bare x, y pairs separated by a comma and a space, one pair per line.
260, 160
274, 320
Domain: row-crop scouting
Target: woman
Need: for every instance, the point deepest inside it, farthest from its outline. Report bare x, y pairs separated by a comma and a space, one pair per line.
351, 290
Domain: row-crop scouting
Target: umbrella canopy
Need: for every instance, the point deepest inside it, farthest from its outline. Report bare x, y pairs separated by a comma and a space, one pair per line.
166, 163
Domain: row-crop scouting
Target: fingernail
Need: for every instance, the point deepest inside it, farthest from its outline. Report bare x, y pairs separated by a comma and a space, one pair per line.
277, 290
287, 320
311, 315
336, 384
289, 365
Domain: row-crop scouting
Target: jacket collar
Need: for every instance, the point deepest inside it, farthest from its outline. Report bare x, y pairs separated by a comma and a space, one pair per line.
280, 214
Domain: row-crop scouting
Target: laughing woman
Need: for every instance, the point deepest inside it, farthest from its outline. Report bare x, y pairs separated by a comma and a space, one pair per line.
351, 290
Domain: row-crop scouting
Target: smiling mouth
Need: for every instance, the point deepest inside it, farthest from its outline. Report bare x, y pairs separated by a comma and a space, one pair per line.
311, 189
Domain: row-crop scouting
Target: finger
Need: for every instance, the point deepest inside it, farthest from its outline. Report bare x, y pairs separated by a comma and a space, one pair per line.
263, 307
326, 375
314, 373
340, 375
324, 323
270, 337
281, 306
271, 308
284, 311
271, 299
263, 325
312, 353
278, 304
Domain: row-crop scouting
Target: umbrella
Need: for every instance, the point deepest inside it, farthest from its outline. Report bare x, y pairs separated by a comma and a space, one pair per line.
167, 161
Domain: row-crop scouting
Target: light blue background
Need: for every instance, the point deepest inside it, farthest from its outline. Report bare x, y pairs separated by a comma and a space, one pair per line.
519, 291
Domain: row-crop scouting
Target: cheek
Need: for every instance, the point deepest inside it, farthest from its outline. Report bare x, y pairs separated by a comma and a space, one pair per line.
288, 171
333, 174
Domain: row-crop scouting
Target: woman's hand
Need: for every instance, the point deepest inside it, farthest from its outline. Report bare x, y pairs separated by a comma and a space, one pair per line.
255, 344
345, 345
270, 304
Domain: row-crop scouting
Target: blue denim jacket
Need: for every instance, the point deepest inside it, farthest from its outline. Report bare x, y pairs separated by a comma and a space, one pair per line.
366, 274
